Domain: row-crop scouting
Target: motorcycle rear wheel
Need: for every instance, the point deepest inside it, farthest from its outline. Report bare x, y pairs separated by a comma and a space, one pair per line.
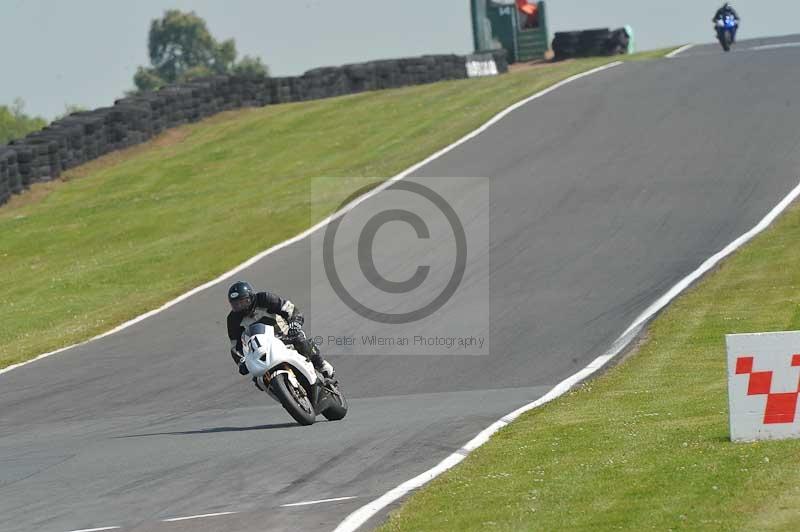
298, 406
338, 409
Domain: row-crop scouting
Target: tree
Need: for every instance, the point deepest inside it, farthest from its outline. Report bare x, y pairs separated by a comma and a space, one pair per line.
250, 66
181, 47
15, 124
147, 79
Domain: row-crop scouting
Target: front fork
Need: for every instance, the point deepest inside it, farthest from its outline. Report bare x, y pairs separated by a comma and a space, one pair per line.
263, 382
314, 394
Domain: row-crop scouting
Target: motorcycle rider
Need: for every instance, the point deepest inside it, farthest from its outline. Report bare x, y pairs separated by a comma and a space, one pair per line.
725, 10
249, 306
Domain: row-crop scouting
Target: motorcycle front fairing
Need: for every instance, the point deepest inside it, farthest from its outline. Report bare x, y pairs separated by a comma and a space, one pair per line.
259, 342
728, 22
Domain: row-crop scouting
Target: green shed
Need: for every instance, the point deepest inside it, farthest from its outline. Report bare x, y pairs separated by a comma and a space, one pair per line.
517, 26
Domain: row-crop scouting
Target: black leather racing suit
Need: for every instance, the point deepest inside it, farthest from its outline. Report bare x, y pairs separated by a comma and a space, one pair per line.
265, 310
721, 12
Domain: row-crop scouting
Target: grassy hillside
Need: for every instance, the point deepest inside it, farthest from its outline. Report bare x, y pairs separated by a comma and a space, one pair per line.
128, 232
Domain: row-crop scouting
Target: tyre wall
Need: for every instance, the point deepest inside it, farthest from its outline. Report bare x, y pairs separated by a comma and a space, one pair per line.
590, 43
87, 135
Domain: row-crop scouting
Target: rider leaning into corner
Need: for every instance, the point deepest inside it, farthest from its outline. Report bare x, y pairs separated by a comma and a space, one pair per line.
725, 10
249, 306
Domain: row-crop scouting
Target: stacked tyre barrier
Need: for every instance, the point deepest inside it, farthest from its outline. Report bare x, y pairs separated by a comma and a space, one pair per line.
87, 135
10, 182
590, 43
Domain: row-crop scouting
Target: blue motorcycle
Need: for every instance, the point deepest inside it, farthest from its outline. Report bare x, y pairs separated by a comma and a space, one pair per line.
726, 31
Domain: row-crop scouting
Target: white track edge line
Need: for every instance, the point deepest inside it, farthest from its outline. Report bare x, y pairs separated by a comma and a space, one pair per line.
680, 50
200, 516
714, 259
96, 529
775, 46
354, 521
320, 501
499, 116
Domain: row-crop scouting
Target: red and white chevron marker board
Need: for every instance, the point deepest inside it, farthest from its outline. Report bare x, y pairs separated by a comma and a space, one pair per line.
764, 385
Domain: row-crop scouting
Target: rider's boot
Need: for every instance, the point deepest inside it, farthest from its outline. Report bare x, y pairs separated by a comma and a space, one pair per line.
310, 350
324, 367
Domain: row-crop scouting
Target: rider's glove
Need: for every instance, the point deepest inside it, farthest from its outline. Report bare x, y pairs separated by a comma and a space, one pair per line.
295, 329
238, 357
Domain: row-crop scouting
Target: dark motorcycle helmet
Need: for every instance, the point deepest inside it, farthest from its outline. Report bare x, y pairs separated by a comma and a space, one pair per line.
241, 296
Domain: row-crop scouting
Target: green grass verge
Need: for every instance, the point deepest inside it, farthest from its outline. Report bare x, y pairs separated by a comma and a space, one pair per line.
646, 445
128, 232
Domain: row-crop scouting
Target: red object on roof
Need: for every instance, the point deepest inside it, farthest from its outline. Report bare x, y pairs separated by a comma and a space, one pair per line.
525, 7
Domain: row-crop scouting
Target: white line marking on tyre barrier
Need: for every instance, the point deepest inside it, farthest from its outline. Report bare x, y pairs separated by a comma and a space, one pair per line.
97, 529
320, 501
174, 519
480, 65
678, 51
347, 208
353, 521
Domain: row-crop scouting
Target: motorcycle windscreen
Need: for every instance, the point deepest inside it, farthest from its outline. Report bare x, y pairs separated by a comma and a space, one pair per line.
256, 358
256, 328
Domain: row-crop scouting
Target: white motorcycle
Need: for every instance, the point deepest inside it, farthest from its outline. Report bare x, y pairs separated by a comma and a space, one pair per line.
290, 378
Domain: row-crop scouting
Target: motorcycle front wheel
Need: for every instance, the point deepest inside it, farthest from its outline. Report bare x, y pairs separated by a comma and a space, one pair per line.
294, 400
727, 40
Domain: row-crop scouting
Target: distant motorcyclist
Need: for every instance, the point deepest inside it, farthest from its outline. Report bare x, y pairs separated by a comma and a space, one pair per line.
249, 306
724, 11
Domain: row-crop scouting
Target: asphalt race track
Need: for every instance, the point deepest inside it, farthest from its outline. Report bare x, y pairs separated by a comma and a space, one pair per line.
604, 194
